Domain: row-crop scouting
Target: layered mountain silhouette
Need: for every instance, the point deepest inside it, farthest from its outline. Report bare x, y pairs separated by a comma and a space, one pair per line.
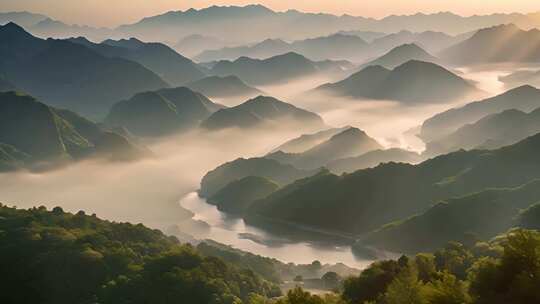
491, 132
237, 196
402, 54
372, 159
308, 141
413, 82
223, 87
502, 43
335, 46
162, 112
5, 85
195, 44
277, 69
263, 110
70, 75
282, 174
367, 199
172, 67
485, 215
33, 134
348, 143
525, 98
295, 25
25, 19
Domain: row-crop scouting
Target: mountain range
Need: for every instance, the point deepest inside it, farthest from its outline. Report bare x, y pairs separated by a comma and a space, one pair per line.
69, 75
412, 82
308, 141
162, 112
367, 199
263, 110
524, 98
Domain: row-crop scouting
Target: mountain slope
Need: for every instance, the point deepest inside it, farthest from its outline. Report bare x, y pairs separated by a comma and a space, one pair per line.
348, 143
172, 67
222, 87
69, 75
161, 112
491, 132
35, 133
525, 98
502, 43
237, 196
366, 199
372, 159
308, 141
238, 169
413, 81
484, 214
261, 110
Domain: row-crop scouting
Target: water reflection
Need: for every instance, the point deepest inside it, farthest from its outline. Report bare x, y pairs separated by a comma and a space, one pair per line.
233, 231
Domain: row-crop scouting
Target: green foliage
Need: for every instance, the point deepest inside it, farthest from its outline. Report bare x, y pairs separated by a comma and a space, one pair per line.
58, 257
238, 196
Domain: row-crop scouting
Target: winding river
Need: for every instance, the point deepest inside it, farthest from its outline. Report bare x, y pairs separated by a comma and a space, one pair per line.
234, 232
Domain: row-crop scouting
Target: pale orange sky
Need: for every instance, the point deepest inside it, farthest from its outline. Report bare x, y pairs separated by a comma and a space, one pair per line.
114, 12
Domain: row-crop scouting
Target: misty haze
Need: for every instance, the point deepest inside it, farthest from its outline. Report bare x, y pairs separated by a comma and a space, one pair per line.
250, 154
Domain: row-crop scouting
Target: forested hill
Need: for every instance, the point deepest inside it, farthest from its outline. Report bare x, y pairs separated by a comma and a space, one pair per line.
57, 257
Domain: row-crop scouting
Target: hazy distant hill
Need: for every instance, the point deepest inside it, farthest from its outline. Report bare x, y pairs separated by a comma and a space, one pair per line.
521, 78
429, 40
335, 46
414, 82
308, 141
484, 215
366, 199
367, 36
502, 43
70, 75
491, 132
222, 87
402, 54
525, 98
277, 69
32, 132
372, 159
238, 169
159, 58
161, 112
261, 110
195, 44
348, 143
24, 19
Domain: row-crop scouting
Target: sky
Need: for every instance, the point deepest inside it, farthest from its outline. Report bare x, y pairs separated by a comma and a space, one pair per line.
111, 13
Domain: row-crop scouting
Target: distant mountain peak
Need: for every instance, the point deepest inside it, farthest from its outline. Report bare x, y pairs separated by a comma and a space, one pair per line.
349, 133
13, 30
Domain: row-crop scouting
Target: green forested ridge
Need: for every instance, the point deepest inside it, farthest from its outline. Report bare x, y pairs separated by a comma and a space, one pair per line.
367, 199
58, 257
479, 216
32, 133
237, 196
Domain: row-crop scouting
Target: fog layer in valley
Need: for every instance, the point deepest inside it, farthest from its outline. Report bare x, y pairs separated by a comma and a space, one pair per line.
149, 191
